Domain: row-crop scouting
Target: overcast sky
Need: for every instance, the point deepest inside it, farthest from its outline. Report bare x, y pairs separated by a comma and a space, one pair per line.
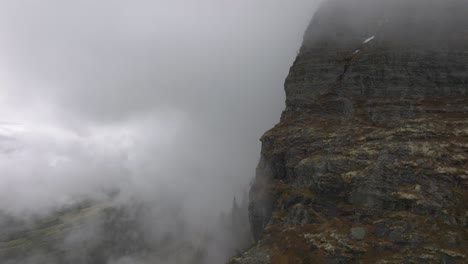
144, 96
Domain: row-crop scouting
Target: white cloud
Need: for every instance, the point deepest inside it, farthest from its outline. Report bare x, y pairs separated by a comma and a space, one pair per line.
164, 100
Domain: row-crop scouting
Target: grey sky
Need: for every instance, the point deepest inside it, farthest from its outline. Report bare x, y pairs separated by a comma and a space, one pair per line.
169, 95
163, 100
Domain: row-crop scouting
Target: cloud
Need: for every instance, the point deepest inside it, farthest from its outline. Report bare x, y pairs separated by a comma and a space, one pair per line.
163, 100
76, 76
110, 60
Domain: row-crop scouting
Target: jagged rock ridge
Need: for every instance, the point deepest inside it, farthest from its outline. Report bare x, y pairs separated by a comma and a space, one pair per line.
369, 161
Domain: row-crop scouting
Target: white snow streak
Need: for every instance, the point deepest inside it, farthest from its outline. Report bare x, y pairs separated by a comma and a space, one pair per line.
368, 40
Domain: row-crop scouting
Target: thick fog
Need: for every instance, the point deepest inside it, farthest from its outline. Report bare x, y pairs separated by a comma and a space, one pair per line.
157, 101
424, 23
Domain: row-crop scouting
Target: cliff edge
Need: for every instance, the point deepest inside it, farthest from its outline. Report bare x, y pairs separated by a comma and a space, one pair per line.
369, 161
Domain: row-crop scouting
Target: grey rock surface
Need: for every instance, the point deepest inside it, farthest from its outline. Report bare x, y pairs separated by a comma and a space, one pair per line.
374, 136
253, 256
358, 233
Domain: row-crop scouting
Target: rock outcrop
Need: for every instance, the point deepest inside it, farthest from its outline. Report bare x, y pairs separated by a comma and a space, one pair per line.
369, 161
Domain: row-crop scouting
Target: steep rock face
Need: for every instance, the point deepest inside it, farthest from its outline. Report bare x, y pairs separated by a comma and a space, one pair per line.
369, 161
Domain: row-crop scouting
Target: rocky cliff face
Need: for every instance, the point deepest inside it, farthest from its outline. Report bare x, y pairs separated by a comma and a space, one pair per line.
369, 161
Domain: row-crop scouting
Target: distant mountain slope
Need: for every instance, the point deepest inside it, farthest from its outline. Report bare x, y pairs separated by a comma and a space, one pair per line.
92, 233
121, 232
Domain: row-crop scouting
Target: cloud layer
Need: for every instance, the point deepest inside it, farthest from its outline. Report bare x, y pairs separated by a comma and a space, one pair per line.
161, 100
170, 91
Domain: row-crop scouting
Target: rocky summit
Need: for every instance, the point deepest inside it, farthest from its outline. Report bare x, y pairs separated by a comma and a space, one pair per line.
369, 161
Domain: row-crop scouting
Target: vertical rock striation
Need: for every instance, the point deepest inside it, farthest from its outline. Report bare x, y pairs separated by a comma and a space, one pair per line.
369, 161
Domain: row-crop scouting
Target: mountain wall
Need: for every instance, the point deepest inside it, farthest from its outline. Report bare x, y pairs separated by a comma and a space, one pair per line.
369, 161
